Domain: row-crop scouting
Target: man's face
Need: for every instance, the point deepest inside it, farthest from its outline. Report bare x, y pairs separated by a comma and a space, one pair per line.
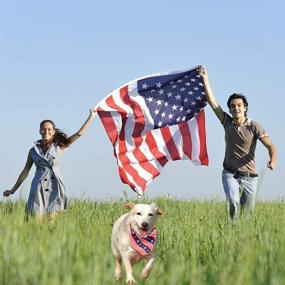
237, 108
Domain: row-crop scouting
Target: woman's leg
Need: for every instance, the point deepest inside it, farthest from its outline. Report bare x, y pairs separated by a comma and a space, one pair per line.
53, 215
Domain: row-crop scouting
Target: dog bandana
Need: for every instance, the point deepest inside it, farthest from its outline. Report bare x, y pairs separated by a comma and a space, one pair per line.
143, 244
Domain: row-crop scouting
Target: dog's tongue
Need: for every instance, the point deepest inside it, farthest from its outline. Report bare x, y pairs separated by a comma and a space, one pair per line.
143, 232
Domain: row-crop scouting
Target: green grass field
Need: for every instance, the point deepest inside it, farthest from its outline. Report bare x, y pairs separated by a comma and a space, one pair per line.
197, 245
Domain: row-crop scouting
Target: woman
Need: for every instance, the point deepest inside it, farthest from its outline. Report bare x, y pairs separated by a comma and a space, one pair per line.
47, 193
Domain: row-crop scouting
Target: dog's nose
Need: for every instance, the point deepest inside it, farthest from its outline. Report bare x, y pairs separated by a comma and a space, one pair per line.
144, 224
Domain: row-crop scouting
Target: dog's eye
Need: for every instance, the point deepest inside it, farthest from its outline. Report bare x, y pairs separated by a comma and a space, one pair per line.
150, 214
138, 213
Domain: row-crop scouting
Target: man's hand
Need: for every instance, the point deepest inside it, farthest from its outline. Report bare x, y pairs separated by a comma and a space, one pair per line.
6, 193
203, 73
271, 165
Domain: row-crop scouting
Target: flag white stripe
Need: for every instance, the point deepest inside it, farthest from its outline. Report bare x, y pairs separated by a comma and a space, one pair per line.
177, 138
136, 165
151, 159
133, 92
129, 176
160, 142
130, 143
118, 101
114, 113
194, 130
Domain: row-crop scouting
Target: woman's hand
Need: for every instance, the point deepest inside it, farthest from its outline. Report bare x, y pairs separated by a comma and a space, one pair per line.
84, 127
92, 113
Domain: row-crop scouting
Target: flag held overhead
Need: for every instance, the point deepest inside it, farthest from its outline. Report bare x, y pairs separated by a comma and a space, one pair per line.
154, 119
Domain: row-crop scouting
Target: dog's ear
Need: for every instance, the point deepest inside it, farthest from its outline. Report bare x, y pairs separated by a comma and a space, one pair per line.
159, 211
129, 205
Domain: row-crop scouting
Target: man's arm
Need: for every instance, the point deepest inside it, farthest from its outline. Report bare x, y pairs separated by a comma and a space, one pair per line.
210, 96
271, 164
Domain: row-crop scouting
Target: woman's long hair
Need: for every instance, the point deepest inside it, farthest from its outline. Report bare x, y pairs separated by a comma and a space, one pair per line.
59, 137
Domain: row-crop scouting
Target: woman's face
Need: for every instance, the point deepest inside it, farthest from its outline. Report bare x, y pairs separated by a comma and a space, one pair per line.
47, 131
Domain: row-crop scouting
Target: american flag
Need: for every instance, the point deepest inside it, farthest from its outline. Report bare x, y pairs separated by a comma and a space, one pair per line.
154, 119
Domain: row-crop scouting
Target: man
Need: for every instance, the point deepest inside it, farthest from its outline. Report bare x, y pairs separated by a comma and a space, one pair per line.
241, 134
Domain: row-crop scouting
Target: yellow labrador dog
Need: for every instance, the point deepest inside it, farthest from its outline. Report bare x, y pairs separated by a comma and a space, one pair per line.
134, 238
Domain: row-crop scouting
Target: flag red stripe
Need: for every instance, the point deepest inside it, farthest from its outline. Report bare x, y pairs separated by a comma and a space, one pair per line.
149, 245
126, 163
138, 128
137, 248
108, 120
120, 138
144, 163
159, 156
187, 141
108, 124
123, 150
138, 114
170, 144
125, 179
202, 135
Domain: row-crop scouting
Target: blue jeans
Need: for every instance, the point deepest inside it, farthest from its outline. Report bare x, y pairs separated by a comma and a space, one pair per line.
240, 190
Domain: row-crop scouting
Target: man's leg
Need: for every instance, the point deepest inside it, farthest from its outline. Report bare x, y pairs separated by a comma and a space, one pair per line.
231, 188
248, 188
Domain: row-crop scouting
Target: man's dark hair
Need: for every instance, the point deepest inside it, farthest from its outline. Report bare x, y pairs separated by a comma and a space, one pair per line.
238, 96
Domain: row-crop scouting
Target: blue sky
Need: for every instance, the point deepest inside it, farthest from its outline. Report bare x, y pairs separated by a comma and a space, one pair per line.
60, 58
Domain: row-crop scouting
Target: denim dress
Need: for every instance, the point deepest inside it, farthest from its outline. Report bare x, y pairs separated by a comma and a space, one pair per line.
47, 192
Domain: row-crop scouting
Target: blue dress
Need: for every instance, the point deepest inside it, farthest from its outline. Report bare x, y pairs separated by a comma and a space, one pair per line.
47, 192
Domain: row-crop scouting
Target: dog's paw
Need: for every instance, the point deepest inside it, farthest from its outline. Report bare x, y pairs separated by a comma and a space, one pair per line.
131, 280
145, 274
118, 276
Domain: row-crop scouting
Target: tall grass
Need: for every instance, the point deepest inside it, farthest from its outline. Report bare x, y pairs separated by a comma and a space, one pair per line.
197, 245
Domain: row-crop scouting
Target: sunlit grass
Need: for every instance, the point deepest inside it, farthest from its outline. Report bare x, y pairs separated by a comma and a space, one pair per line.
197, 245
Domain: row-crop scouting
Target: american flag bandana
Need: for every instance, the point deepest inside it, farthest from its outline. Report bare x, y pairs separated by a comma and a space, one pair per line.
143, 244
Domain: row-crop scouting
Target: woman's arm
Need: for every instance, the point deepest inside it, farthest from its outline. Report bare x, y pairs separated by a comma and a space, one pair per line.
23, 175
210, 96
84, 127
